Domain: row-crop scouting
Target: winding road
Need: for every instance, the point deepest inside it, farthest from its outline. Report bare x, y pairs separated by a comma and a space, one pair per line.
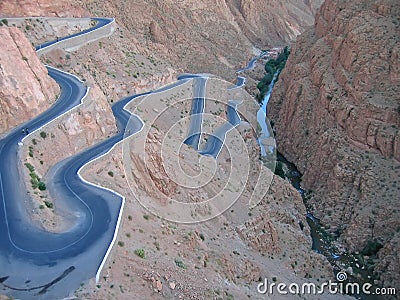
216, 140
38, 264
32, 260
100, 22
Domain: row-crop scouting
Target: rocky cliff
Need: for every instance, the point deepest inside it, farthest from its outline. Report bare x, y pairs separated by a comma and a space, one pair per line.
195, 36
336, 109
37, 8
273, 22
208, 36
25, 87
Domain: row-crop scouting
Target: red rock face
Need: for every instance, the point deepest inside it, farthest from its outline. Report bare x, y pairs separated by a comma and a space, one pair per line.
273, 21
25, 87
44, 8
337, 114
212, 36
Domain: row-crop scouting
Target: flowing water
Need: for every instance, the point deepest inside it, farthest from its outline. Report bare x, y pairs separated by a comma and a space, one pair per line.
322, 241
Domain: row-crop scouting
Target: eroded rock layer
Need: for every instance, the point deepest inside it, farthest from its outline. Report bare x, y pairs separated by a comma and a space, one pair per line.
337, 113
25, 87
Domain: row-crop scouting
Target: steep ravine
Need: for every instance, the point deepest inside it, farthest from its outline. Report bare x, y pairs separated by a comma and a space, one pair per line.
323, 242
336, 114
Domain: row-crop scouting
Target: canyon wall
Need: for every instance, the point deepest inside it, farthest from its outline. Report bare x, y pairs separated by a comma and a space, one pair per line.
195, 36
207, 36
336, 109
25, 86
273, 22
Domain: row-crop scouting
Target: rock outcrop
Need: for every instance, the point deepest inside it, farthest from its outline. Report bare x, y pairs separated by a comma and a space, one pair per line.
25, 87
273, 21
336, 109
40, 8
82, 127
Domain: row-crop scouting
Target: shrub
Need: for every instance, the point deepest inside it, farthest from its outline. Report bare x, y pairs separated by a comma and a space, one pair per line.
202, 236
5, 22
372, 247
180, 263
121, 243
42, 186
279, 170
30, 167
140, 253
111, 173
30, 153
48, 204
43, 135
271, 67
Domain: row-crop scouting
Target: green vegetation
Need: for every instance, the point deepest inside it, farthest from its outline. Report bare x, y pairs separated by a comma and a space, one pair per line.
140, 253
5, 22
42, 186
48, 204
121, 244
36, 182
180, 263
271, 67
43, 135
279, 170
30, 153
30, 167
372, 248
111, 173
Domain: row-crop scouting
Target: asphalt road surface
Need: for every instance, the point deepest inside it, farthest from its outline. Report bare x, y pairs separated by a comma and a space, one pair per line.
196, 114
100, 22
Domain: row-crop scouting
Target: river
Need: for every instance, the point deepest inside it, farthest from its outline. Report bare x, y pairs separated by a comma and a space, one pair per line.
323, 242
